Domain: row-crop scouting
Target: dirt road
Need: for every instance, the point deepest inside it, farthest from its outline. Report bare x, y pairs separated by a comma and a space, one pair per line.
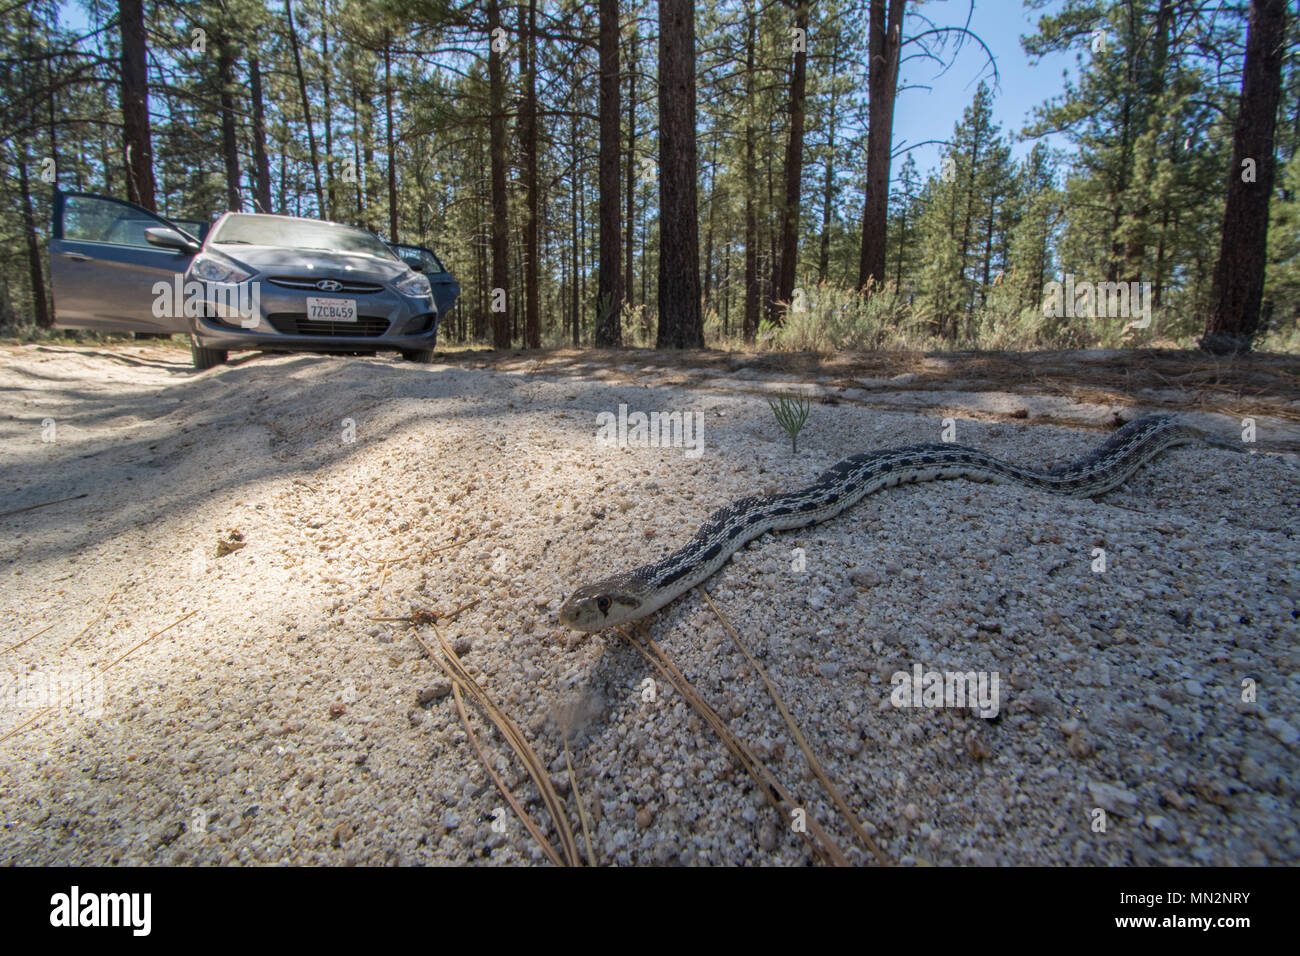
215, 589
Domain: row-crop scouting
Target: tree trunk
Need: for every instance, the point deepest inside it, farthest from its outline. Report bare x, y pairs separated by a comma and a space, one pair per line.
140, 188
306, 107
500, 221
898, 263
772, 234
1239, 275
229, 133
51, 109
726, 292
628, 284
713, 199
368, 159
392, 143
261, 164
575, 294
581, 247
515, 310
357, 169
988, 248
106, 164
528, 156
331, 194
40, 305
885, 36
828, 185
481, 315
785, 275
828, 196
609, 284
680, 323
752, 292
284, 174
968, 223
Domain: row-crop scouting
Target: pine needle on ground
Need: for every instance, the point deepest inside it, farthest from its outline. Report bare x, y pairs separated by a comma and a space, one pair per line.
838, 798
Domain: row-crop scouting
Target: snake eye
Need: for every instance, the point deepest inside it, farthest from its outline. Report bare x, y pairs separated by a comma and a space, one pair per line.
602, 602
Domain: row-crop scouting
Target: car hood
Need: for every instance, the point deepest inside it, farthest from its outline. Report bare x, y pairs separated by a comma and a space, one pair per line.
279, 260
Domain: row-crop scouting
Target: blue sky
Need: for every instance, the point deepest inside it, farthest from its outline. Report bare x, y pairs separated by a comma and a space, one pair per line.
930, 114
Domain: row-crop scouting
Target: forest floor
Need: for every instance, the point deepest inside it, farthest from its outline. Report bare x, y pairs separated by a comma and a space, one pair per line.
224, 565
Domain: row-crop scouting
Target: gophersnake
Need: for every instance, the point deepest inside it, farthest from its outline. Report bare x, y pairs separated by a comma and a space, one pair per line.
643, 590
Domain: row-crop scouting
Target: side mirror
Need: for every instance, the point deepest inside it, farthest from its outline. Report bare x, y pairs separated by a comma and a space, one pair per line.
415, 262
169, 238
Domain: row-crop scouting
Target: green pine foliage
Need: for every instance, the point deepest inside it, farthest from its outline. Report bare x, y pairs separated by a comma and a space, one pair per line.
973, 244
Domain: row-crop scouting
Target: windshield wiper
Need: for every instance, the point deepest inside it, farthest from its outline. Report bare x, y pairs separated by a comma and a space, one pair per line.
232, 242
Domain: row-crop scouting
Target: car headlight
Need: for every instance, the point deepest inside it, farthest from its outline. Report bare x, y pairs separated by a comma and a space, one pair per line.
416, 284
211, 267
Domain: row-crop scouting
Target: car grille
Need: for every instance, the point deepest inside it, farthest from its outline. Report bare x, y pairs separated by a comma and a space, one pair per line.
297, 323
309, 285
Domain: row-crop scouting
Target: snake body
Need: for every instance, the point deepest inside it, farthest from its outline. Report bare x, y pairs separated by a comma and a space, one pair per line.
641, 591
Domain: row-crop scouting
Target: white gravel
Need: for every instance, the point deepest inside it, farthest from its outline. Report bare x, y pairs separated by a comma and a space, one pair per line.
280, 722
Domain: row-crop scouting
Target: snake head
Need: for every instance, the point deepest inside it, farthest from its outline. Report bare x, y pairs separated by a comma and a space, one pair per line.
594, 607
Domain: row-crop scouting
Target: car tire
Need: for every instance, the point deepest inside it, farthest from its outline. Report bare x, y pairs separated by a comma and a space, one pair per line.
206, 358
422, 356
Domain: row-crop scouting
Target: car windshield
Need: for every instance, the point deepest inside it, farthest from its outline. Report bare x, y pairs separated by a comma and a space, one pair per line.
249, 229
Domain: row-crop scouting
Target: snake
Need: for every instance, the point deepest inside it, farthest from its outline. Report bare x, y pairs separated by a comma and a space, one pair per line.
634, 594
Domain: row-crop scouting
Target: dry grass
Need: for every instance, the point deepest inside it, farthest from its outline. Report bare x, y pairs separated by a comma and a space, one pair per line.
1170, 379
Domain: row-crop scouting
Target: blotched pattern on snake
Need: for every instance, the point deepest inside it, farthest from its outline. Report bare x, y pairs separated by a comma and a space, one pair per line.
641, 591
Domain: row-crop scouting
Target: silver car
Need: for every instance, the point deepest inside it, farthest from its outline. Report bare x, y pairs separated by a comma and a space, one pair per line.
252, 281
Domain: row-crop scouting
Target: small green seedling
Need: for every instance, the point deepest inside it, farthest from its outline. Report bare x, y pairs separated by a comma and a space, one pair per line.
791, 412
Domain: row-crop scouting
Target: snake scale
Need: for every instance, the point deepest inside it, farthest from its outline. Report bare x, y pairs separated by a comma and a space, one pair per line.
641, 591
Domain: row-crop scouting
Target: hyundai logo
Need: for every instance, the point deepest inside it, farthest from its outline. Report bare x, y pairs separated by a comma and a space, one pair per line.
329, 285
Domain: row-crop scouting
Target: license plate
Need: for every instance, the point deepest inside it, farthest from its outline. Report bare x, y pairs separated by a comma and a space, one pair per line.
331, 310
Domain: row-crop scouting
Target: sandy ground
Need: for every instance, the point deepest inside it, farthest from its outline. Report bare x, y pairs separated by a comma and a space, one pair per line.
248, 707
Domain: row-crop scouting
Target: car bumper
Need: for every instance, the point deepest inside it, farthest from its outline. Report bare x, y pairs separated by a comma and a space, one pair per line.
276, 319
216, 336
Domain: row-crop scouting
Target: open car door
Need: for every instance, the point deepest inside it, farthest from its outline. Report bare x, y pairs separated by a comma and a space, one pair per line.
445, 288
104, 269
193, 227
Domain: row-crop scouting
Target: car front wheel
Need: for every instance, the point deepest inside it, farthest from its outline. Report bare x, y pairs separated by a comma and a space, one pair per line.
206, 358
422, 356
